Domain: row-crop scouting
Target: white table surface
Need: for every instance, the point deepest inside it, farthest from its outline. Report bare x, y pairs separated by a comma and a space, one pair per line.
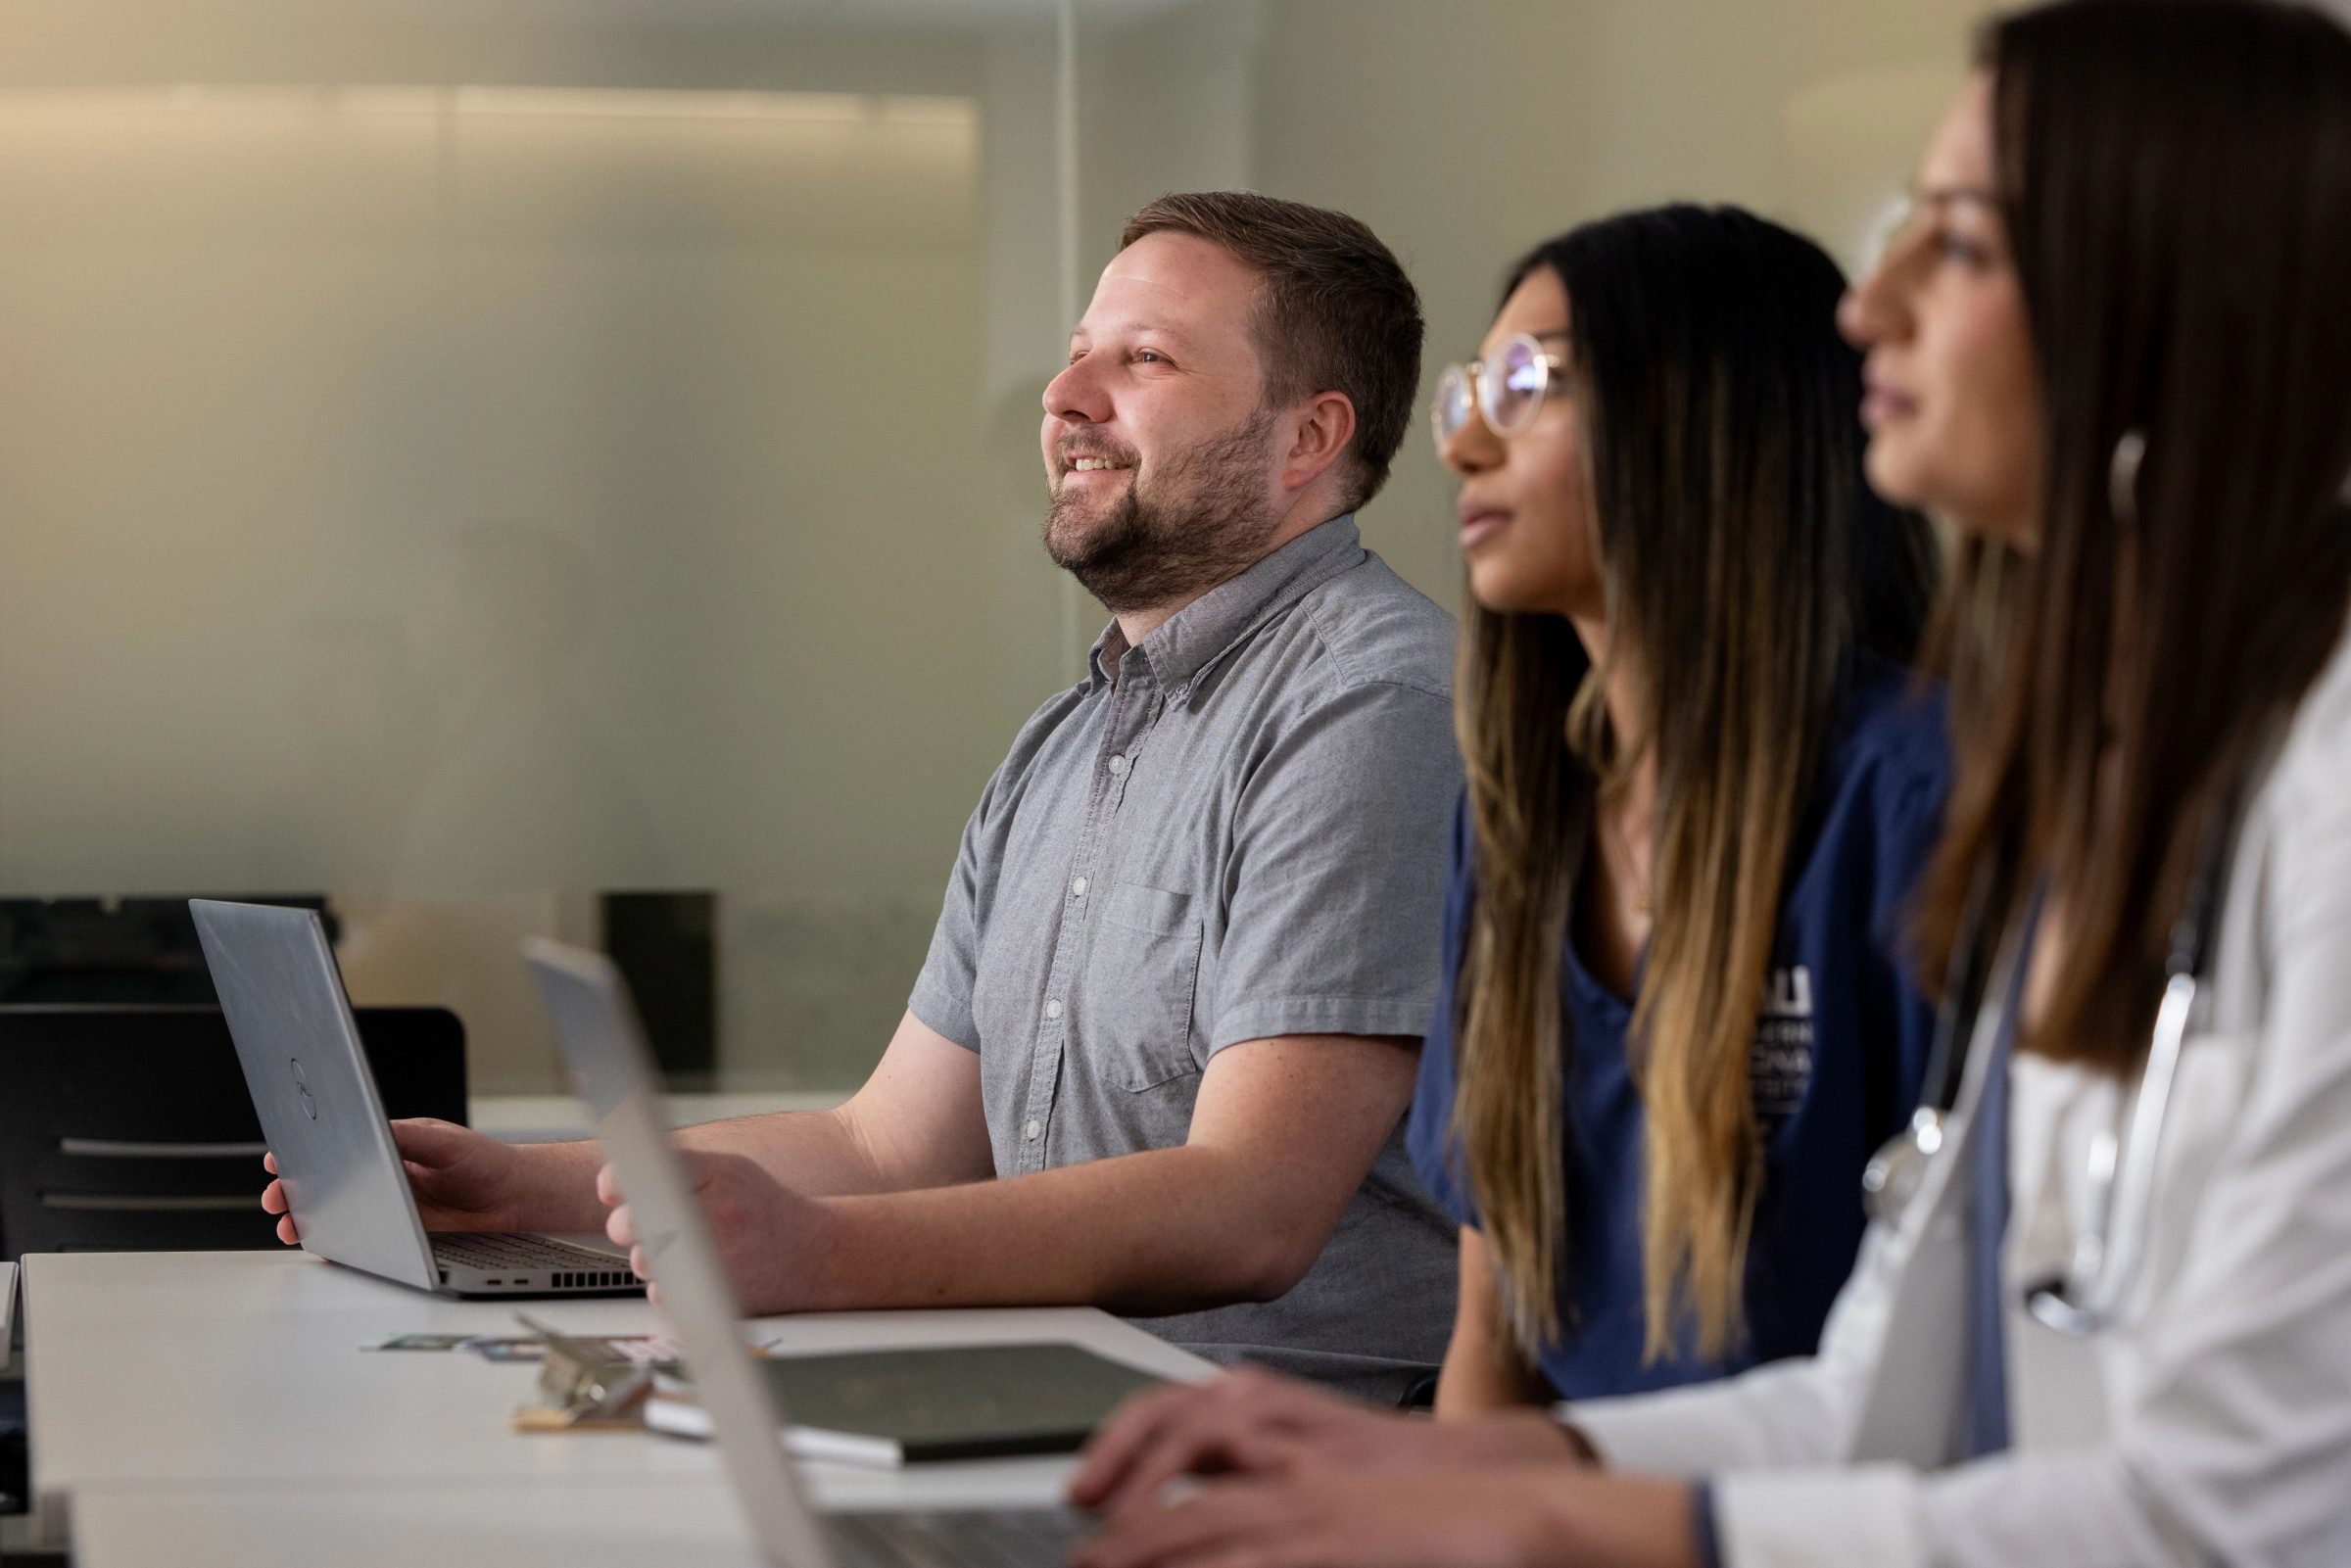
241, 1372
619, 1522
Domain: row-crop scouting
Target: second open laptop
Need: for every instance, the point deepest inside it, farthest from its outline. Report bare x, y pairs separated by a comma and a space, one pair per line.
299, 1045
604, 1046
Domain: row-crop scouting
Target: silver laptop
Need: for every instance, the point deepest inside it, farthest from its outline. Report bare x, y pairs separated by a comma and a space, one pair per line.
310, 1086
604, 1046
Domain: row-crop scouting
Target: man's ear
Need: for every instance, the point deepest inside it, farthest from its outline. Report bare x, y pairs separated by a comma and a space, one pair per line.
1321, 430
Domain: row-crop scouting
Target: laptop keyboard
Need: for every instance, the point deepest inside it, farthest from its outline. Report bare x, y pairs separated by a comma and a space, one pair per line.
490, 1249
1025, 1538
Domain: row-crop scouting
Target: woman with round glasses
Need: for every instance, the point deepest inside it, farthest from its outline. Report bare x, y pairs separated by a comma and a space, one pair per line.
2108, 1320
1701, 782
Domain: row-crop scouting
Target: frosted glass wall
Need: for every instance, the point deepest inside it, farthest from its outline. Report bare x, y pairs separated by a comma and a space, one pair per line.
472, 460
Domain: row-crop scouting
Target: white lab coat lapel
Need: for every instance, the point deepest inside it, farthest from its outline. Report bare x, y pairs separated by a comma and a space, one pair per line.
1913, 1400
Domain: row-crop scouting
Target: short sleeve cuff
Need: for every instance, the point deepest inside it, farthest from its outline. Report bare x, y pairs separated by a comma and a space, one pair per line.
1263, 1019
944, 1009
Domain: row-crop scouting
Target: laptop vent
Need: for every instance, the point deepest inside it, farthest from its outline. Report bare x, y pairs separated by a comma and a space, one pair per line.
595, 1280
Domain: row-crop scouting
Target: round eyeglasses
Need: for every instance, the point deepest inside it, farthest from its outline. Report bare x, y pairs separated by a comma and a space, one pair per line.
1507, 389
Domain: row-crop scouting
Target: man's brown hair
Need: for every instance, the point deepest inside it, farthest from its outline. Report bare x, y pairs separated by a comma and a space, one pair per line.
1337, 314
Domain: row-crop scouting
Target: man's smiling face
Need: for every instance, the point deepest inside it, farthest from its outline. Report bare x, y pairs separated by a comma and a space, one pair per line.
1155, 441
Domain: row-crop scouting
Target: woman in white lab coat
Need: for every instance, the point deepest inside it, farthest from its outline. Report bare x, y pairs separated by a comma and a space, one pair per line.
2104, 1313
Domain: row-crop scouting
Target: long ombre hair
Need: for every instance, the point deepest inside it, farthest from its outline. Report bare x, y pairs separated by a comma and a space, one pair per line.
1744, 562
2176, 184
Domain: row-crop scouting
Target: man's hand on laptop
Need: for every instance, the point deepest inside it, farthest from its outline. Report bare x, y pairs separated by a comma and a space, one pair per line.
467, 1180
771, 1239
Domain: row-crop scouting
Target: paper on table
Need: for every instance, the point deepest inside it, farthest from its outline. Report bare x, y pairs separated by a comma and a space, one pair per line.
419, 1341
676, 1412
637, 1349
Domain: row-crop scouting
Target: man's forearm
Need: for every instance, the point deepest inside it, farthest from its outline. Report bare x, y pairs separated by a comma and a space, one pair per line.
559, 1192
810, 1151
1162, 1231
816, 1153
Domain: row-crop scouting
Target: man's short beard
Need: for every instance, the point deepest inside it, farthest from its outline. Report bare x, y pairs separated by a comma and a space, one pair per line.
1202, 521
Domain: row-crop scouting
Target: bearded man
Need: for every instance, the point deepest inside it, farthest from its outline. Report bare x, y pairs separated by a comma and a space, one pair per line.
1158, 1056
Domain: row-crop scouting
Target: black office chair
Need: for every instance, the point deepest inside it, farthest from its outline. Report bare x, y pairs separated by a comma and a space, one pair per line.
115, 951
129, 1130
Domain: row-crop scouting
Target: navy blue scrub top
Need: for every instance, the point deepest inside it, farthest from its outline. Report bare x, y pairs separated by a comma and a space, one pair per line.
1840, 1051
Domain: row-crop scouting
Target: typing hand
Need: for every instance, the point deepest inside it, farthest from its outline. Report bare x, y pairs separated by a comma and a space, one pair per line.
1517, 1516
463, 1180
1259, 1424
771, 1239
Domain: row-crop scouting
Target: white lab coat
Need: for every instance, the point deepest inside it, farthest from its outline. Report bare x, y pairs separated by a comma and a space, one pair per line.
2211, 1424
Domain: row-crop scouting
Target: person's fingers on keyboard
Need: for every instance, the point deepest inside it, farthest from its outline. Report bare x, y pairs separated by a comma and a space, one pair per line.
1135, 1428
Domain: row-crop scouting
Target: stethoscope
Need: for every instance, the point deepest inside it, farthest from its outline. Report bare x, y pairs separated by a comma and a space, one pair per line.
2086, 1296
1891, 1178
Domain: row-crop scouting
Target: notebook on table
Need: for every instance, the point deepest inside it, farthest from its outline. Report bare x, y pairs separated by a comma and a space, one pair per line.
911, 1406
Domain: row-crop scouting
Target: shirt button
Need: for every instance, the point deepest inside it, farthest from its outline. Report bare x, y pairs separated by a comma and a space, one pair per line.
1078, 889
1118, 767
1053, 1007
1032, 1128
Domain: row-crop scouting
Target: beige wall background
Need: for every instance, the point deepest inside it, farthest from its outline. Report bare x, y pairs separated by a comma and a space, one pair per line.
1465, 132
467, 458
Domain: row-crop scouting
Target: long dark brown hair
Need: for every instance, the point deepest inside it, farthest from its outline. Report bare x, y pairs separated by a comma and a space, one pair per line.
2176, 181
1744, 562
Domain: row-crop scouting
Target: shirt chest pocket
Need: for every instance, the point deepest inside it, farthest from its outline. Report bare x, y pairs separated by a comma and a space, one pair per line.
1141, 980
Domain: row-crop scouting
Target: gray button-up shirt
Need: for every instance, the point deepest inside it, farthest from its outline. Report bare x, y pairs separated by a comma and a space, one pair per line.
1240, 835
